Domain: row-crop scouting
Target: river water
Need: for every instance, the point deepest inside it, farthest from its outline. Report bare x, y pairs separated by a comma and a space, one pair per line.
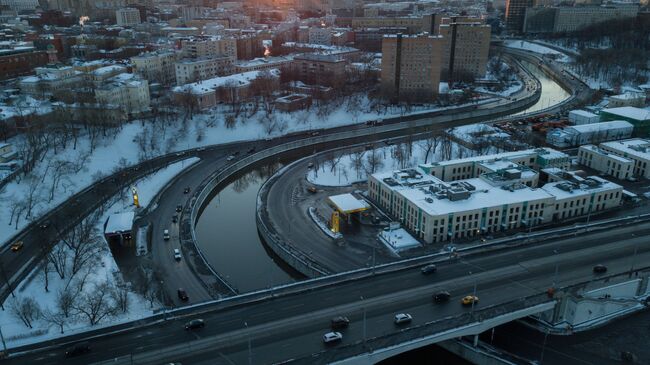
226, 231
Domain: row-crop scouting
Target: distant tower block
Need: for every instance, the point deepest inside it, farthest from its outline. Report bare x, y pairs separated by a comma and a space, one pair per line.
52, 55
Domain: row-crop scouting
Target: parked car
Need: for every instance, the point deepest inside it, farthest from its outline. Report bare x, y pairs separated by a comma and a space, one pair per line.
469, 299
17, 246
600, 269
330, 337
179, 208
402, 318
77, 349
194, 324
429, 269
441, 296
166, 235
230, 158
312, 190
182, 295
177, 254
175, 218
339, 322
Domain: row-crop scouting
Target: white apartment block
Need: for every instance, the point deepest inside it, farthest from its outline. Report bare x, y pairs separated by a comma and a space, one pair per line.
590, 133
192, 70
127, 91
156, 66
468, 197
127, 17
49, 80
266, 63
603, 161
210, 47
471, 167
320, 36
636, 149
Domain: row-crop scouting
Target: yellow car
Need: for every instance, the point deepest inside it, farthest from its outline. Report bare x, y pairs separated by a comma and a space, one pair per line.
16, 246
468, 300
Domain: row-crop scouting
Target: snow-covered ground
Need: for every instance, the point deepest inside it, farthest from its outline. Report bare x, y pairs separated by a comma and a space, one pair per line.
472, 133
528, 46
24, 106
101, 270
66, 171
511, 89
347, 171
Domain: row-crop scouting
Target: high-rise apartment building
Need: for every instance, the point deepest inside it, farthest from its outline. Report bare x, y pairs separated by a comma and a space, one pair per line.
465, 51
410, 66
515, 13
127, 17
207, 47
156, 66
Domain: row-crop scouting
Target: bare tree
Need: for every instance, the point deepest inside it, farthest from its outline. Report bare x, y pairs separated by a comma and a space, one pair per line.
97, 304
446, 148
357, 162
46, 268
84, 242
55, 317
373, 161
120, 296
65, 302
58, 257
25, 309
430, 145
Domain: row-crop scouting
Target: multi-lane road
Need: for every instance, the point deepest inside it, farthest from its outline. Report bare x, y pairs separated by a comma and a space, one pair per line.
290, 326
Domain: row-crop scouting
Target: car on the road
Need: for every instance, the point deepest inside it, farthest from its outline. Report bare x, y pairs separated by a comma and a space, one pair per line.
330, 337
44, 225
77, 349
402, 318
312, 190
177, 254
339, 322
230, 158
179, 208
310, 165
251, 150
315, 133
600, 269
166, 235
174, 218
469, 300
17, 246
441, 297
429, 269
182, 295
187, 190
194, 324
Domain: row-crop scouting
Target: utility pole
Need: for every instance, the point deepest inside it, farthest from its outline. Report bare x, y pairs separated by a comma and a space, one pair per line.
364, 321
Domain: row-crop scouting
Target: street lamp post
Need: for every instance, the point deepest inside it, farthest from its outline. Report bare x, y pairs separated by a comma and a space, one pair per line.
363, 307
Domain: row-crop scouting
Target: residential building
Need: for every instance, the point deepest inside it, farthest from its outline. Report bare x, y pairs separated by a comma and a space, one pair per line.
410, 67
19, 5
636, 149
465, 53
50, 80
209, 47
157, 67
414, 24
578, 117
589, 133
100, 75
249, 47
128, 91
515, 14
611, 164
20, 60
127, 17
319, 35
192, 70
574, 18
264, 63
320, 69
208, 93
627, 99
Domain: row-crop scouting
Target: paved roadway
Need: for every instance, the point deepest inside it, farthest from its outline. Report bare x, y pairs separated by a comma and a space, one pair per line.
290, 326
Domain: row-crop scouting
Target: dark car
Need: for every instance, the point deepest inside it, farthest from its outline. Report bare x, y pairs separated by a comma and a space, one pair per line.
600, 269
194, 324
251, 150
429, 269
77, 349
441, 296
179, 208
175, 218
187, 190
45, 225
339, 322
312, 190
182, 294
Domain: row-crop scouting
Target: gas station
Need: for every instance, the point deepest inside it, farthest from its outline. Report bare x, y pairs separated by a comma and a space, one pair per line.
345, 207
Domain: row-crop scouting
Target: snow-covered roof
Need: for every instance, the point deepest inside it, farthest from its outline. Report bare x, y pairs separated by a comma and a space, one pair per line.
347, 203
210, 85
108, 69
628, 96
398, 239
592, 184
600, 151
629, 112
582, 113
120, 222
636, 147
602, 126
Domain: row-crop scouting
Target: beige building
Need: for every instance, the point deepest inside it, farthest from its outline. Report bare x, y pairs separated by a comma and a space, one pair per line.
49, 80
636, 149
500, 199
127, 91
414, 24
265, 63
192, 70
156, 66
410, 66
209, 47
465, 51
627, 99
598, 159
319, 69
127, 17
319, 35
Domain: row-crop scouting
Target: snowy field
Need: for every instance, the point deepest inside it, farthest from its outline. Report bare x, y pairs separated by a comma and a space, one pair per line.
528, 46
471, 133
62, 172
72, 293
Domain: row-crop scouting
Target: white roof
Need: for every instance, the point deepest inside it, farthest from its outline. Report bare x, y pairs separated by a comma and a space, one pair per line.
595, 127
240, 79
583, 113
398, 239
348, 203
119, 222
632, 147
629, 112
579, 189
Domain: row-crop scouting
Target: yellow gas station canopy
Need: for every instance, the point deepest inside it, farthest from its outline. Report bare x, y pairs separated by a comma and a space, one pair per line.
347, 203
